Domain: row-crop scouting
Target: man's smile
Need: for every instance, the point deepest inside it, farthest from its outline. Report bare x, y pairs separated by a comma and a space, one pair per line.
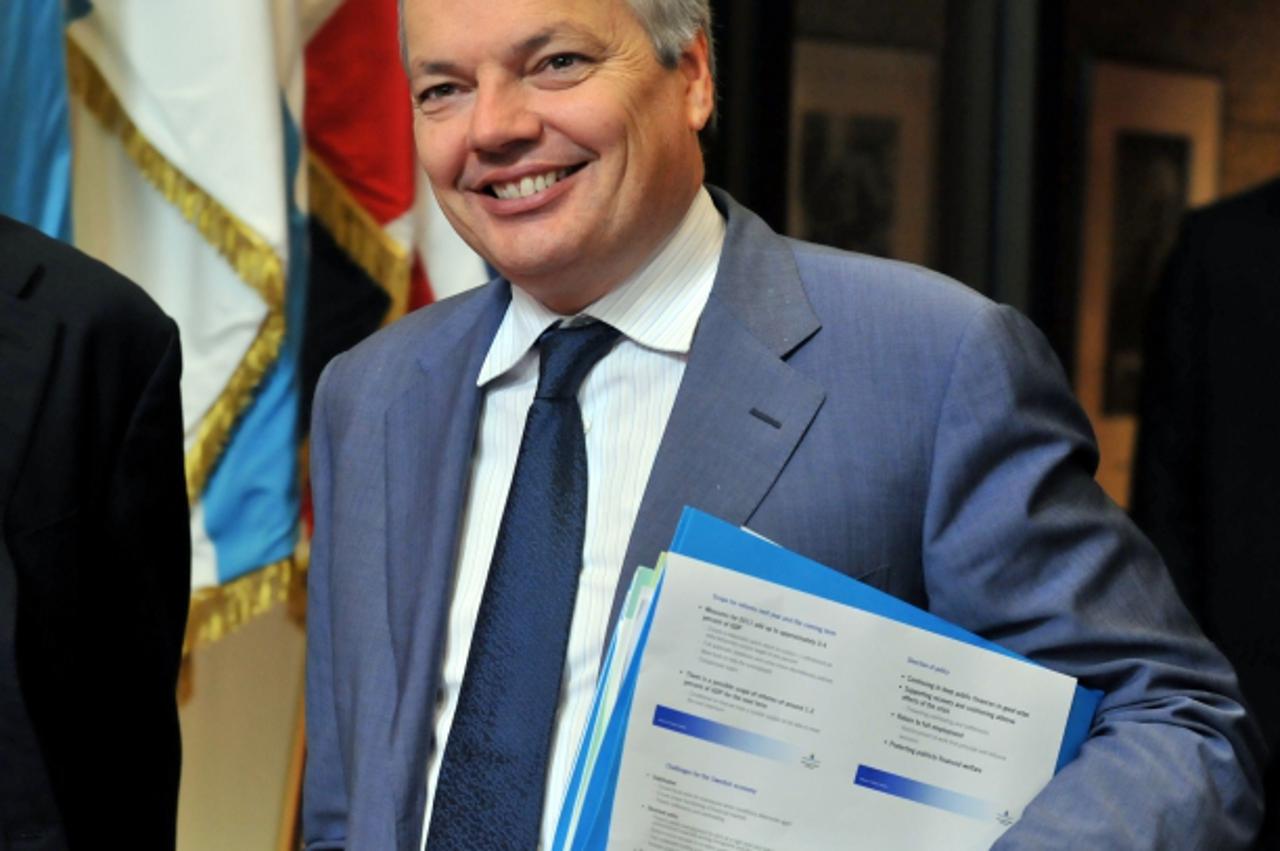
528, 185
514, 192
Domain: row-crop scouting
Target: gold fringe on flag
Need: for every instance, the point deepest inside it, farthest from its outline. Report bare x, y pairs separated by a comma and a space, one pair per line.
249, 254
359, 235
215, 612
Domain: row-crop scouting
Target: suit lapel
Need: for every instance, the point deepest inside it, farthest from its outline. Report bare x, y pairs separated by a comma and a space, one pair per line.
28, 345
28, 338
429, 435
430, 432
741, 408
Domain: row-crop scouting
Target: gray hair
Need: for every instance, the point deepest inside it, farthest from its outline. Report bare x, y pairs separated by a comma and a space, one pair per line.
671, 24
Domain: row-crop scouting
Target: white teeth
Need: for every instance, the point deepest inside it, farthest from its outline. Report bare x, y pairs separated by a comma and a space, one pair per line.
529, 185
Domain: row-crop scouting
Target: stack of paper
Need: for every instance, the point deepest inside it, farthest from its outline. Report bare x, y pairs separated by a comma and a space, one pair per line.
753, 699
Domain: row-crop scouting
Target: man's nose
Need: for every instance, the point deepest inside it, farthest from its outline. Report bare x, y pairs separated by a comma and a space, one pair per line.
503, 116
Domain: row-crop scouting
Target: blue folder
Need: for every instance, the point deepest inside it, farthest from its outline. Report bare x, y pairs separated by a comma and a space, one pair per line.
706, 538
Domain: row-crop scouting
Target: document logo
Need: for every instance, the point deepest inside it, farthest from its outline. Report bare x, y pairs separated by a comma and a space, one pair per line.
810, 761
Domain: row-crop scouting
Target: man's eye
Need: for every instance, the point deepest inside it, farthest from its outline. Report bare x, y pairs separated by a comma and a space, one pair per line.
439, 91
563, 61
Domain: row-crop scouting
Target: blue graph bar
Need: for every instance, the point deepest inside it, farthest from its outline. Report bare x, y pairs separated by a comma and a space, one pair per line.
925, 793
722, 734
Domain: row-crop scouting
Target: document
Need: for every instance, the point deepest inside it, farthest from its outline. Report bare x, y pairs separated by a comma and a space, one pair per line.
766, 718
753, 699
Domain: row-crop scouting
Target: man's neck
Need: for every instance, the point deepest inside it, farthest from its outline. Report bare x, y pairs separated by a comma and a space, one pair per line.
569, 299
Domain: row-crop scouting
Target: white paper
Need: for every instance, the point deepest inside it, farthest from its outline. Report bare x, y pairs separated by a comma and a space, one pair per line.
768, 718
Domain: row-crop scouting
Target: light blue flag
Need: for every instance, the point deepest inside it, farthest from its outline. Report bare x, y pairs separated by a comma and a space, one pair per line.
35, 144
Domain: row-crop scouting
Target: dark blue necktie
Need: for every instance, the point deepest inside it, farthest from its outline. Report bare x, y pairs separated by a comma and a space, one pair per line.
489, 793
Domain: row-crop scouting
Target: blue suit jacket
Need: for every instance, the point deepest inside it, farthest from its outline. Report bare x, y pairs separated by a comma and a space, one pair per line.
926, 443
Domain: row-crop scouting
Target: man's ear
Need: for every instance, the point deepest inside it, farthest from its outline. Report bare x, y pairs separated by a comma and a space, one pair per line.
700, 90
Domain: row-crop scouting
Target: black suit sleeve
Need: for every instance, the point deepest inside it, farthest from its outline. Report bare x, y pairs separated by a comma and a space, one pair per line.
148, 531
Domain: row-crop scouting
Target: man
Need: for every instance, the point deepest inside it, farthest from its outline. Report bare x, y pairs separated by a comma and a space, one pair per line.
94, 557
1207, 478
873, 416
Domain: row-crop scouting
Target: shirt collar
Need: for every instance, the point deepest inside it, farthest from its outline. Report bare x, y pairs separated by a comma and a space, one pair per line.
658, 307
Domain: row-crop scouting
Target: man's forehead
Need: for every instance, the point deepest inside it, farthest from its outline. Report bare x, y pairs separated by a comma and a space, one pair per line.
430, 15
435, 26
436, 56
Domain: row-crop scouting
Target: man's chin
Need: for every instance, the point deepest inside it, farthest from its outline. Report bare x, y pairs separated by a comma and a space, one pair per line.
537, 269
554, 288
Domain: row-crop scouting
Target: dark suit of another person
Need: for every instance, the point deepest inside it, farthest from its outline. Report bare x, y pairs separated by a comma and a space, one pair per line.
1207, 481
94, 557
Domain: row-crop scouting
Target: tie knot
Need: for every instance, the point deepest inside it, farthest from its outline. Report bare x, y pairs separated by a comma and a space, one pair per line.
567, 355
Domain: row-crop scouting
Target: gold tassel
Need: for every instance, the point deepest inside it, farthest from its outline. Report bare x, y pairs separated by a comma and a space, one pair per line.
359, 235
249, 254
221, 610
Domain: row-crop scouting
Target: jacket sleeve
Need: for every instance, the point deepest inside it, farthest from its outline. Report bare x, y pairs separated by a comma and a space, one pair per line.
324, 801
1022, 546
149, 531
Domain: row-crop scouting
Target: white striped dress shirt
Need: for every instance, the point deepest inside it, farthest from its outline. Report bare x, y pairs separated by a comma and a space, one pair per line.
625, 401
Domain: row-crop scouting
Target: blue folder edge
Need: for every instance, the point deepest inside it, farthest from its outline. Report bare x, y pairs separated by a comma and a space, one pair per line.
597, 804
706, 538
575, 779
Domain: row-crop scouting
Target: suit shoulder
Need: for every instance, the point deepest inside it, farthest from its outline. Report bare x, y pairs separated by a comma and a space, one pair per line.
377, 364
843, 283
405, 334
912, 321
1238, 217
79, 290
1263, 200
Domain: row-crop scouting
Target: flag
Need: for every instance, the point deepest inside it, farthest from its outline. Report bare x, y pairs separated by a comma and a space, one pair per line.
35, 145
187, 177
251, 165
380, 245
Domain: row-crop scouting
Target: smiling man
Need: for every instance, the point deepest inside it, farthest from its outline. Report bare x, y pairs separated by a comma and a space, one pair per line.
558, 145
489, 473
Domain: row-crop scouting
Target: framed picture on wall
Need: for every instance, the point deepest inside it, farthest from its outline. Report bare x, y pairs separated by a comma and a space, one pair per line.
1152, 153
861, 171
